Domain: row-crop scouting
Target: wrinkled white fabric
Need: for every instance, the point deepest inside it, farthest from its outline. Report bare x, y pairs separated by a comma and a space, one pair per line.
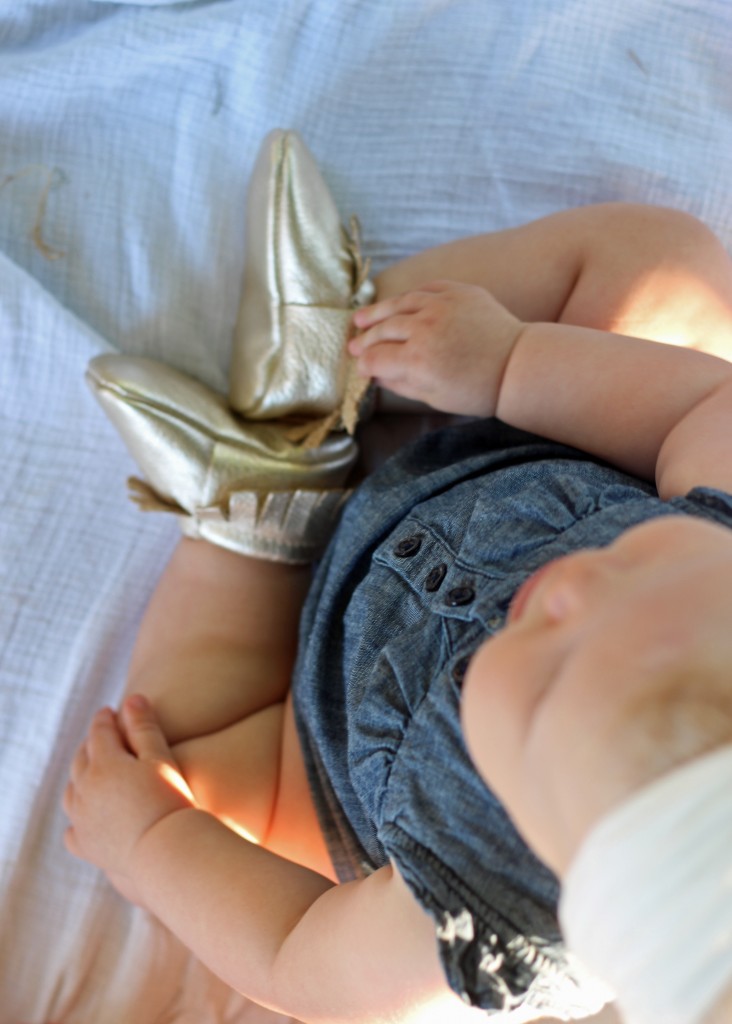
127, 136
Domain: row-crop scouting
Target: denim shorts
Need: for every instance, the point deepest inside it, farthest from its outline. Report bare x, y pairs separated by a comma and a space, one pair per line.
420, 571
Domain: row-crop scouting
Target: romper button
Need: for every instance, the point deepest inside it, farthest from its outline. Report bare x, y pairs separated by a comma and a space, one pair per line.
459, 669
459, 596
435, 577
408, 547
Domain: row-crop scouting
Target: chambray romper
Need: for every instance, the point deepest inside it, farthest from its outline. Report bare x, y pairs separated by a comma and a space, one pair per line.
421, 570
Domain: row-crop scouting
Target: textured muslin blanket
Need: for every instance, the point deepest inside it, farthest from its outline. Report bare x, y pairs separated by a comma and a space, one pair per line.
127, 136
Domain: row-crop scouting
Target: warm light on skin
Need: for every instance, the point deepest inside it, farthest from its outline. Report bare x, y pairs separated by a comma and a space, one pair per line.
174, 779
675, 307
239, 829
563, 708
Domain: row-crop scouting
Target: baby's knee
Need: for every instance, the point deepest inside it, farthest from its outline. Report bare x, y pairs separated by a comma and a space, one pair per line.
657, 233
657, 273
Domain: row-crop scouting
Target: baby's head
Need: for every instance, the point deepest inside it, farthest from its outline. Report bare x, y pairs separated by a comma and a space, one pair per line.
614, 667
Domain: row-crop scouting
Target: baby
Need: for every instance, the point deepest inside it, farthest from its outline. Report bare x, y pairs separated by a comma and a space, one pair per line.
551, 577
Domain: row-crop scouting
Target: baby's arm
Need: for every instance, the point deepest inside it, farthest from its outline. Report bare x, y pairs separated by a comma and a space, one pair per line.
646, 271
285, 936
280, 933
655, 410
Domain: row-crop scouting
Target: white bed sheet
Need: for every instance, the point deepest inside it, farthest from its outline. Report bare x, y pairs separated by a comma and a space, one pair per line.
127, 135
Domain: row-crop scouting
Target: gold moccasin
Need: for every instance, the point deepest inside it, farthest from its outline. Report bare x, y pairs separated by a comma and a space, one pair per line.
245, 486
303, 278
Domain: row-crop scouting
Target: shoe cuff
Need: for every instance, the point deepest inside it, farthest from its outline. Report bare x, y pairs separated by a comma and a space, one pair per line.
282, 526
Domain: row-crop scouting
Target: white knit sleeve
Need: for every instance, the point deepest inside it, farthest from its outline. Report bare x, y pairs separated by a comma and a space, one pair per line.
647, 901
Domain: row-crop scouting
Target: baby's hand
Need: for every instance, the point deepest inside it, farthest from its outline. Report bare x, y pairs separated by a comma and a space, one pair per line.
446, 344
123, 781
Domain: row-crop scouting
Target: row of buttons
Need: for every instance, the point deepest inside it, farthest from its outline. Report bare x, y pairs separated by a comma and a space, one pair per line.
457, 596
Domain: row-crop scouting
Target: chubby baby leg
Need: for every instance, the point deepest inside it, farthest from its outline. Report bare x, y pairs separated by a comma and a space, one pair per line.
214, 655
218, 639
654, 273
233, 772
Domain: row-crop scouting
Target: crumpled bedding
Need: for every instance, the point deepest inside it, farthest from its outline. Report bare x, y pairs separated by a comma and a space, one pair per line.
127, 136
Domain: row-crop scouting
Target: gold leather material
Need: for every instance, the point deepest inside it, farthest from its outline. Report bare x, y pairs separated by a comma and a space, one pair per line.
303, 277
218, 470
284, 526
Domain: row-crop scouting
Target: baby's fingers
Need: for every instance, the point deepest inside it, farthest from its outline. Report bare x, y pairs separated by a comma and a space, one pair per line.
147, 740
71, 843
104, 737
68, 799
408, 302
389, 365
394, 329
80, 763
142, 730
